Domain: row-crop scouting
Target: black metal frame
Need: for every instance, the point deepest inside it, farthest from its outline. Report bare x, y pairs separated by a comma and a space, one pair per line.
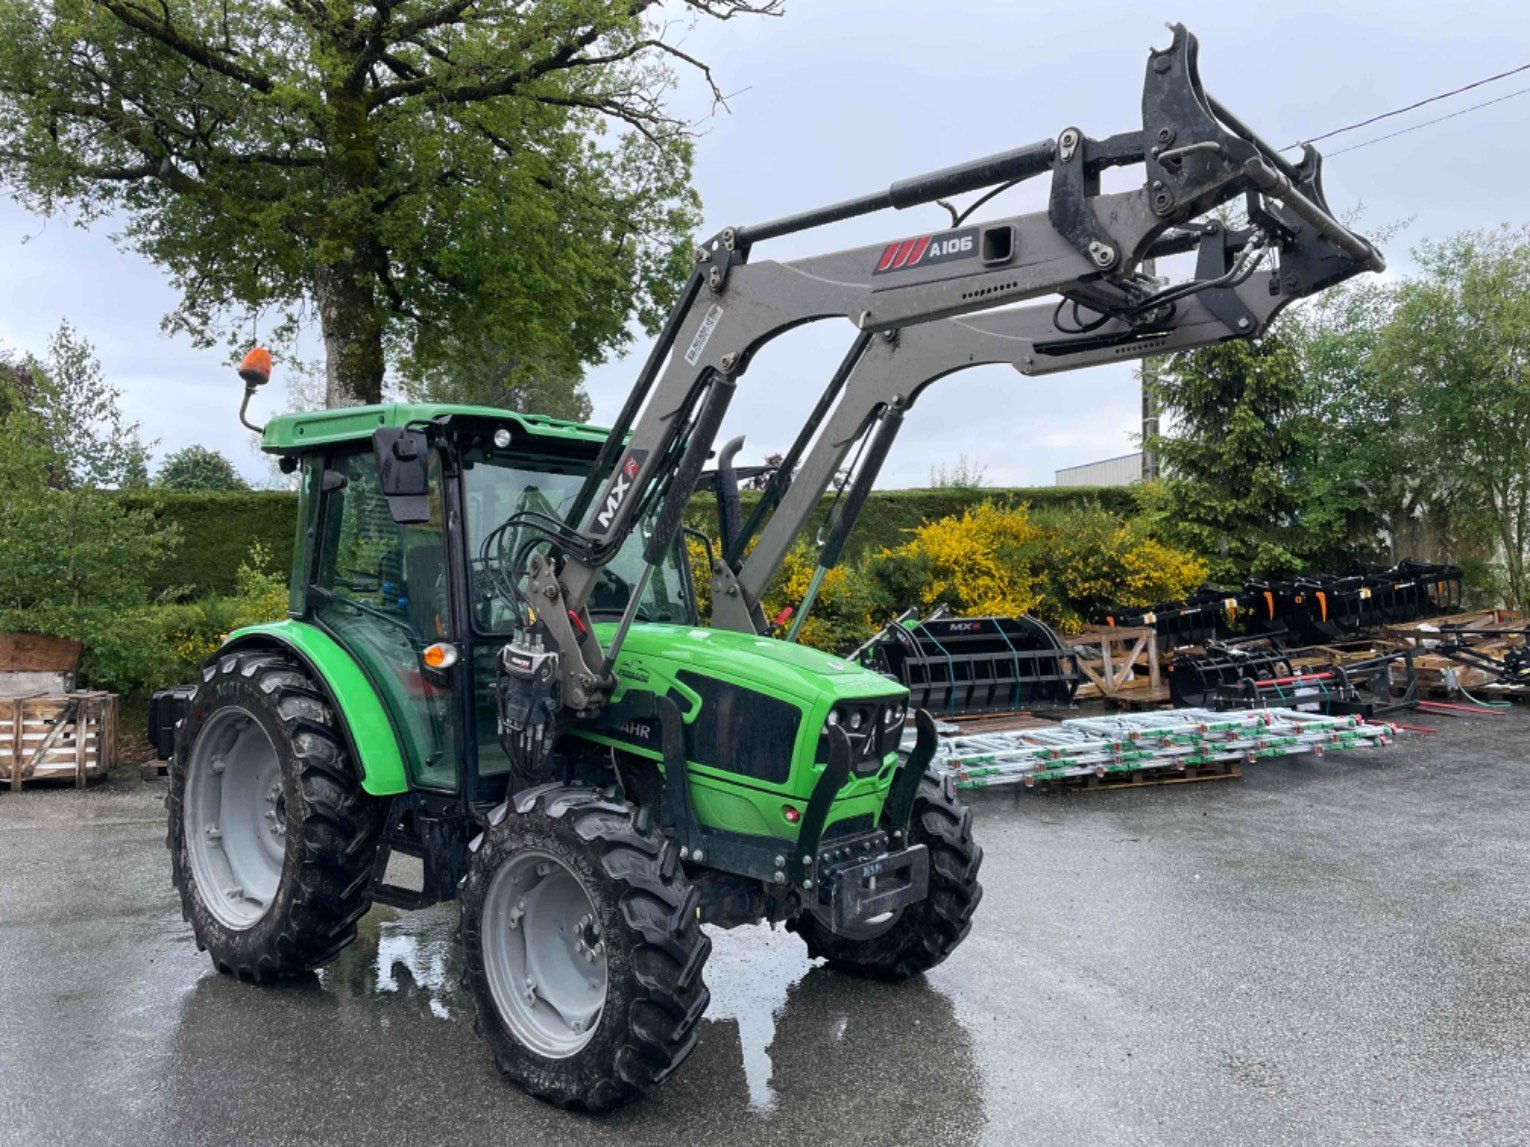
1258, 672
958, 665
1512, 668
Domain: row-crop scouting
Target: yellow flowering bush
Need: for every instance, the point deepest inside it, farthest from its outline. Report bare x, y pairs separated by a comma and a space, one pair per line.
701, 577
841, 616
981, 562
1093, 561
1061, 566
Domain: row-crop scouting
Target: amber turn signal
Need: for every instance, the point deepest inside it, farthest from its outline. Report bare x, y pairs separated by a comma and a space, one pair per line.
441, 655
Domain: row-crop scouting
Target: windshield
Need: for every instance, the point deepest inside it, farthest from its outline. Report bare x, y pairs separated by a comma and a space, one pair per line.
495, 487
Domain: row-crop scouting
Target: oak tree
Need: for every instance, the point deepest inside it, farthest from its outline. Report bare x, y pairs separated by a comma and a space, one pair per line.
417, 175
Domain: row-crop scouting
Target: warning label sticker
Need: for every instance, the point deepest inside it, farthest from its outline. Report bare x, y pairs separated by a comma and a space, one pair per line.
703, 333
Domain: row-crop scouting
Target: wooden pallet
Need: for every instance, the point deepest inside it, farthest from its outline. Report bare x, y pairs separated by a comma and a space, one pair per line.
995, 722
57, 737
1417, 633
1151, 778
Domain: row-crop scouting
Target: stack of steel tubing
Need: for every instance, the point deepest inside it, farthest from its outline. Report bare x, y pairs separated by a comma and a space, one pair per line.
1172, 740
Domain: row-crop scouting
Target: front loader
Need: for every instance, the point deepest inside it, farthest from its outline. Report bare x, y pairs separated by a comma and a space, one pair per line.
492, 659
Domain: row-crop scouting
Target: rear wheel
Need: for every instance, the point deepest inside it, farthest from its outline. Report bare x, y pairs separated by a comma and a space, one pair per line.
271, 837
915, 938
582, 948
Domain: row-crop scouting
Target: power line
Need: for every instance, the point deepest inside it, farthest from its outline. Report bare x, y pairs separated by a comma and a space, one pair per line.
1412, 106
1428, 122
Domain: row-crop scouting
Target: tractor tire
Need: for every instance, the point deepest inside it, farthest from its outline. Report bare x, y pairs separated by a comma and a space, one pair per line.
919, 936
582, 949
272, 839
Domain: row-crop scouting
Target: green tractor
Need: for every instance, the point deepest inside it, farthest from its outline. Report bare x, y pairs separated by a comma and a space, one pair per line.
368, 723
493, 660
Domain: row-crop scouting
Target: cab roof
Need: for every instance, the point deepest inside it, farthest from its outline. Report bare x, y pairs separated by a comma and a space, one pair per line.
310, 430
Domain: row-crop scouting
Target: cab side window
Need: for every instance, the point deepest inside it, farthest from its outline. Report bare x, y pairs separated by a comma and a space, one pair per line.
384, 595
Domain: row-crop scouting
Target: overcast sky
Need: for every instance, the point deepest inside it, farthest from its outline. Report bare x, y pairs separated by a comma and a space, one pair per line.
841, 97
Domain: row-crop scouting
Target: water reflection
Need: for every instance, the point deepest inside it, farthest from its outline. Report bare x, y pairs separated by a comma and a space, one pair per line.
407, 954
381, 1043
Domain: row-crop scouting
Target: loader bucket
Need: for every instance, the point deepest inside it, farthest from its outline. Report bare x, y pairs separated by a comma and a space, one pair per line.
960, 665
1209, 614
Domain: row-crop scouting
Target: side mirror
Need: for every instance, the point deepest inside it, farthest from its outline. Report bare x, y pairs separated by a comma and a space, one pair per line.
403, 471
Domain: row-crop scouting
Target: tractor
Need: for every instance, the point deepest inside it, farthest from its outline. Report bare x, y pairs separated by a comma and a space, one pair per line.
493, 660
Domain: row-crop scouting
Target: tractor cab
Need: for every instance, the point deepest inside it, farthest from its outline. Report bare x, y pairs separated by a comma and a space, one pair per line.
399, 569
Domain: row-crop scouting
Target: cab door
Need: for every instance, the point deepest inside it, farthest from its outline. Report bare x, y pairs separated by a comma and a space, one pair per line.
382, 590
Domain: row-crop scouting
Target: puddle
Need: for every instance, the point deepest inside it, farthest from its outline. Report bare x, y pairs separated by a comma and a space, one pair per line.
750, 973
408, 958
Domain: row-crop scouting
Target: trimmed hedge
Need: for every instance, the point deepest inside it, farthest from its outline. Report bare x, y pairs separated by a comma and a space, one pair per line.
889, 515
217, 530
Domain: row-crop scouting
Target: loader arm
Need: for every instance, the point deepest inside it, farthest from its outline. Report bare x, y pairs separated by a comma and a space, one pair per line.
1087, 246
882, 377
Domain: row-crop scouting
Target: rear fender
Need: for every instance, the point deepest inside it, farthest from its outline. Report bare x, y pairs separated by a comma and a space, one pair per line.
368, 731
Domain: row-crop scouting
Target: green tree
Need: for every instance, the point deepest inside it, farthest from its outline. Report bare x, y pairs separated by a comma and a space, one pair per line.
963, 474
1237, 460
418, 175
1458, 344
198, 468
76, 415
485, 373
63, 543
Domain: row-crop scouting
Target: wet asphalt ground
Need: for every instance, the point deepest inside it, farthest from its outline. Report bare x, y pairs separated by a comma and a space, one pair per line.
1331, 950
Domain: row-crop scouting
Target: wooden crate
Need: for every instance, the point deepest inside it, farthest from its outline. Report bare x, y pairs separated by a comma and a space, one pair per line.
60, 736
31, 663
1120, 664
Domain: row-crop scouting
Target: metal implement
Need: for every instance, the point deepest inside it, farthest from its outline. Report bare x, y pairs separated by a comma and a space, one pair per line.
1255, 672
1146, 742
1329, 607
956, 665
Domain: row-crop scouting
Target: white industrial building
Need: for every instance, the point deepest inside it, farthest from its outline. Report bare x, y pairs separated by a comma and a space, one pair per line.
1122, 471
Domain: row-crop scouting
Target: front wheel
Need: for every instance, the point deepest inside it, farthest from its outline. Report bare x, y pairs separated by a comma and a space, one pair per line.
582, 948
915, 938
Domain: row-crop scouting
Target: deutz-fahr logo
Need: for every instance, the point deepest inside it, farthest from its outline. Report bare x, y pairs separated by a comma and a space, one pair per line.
616, 493
906, 254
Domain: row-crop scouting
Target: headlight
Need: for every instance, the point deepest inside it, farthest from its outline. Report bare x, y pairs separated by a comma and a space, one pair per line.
834, 718
856, 719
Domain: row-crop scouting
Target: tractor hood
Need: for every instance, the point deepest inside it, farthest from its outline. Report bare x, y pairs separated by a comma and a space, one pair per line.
779, 666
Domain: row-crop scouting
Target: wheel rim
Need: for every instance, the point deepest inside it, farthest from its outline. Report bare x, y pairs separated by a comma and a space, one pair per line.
544, 954
235, 818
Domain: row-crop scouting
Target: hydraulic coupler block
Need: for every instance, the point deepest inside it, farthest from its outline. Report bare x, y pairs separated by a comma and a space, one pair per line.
528, 695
